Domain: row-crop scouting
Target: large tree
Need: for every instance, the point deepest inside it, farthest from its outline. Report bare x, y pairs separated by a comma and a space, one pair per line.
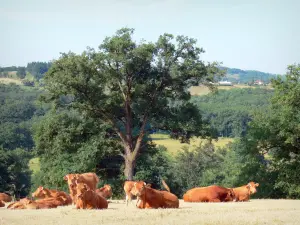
134, 87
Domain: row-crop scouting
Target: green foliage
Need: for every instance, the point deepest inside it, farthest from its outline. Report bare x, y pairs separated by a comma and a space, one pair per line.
28, 83
196, 167
17, 108
69, 143
14, 172
274, 136
229, 111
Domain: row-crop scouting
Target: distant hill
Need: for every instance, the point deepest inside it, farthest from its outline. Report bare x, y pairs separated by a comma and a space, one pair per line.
37, 70
247, 76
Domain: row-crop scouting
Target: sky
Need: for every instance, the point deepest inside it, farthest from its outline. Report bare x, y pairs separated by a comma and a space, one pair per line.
259, 35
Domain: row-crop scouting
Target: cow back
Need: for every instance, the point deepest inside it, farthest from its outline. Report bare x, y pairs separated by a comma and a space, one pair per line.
5, 197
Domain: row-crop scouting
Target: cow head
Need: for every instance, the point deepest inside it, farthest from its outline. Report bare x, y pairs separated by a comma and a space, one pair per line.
70, 178
139, 188
252, 187
107, 187
39, 193
81, 188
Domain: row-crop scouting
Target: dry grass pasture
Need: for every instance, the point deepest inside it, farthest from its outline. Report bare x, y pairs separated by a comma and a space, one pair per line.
253, 212
203, 90
10, 80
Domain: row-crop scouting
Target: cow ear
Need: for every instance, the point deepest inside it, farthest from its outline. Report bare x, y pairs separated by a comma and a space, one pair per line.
148, 185
66, 177
42, 188
257, 184
86, 187
249, 185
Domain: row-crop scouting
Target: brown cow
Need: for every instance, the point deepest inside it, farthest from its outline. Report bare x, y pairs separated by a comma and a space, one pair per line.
105, 191
128, 185
151, 198
91, 179
43, 193
212, 193
26, 203
89, 199
2, 204
243, 193
5, 197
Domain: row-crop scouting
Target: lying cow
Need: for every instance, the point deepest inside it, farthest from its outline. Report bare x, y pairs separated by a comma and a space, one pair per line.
105, 191
243, 193
88, 198
5, 197
212, 193
151, 198
90, 179
27, 203
44, 193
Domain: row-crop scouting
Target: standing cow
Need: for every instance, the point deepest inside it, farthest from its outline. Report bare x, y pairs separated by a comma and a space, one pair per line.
90, 179
128, 186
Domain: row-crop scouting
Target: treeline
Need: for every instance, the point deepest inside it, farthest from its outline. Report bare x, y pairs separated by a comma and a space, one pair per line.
36, 69
18, 111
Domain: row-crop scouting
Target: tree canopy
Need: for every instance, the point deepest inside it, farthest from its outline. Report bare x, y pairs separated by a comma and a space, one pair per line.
134, 87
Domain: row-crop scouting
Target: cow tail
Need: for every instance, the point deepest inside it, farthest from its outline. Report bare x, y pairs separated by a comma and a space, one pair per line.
165, 185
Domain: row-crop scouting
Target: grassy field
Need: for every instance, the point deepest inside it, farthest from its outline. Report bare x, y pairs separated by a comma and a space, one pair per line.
173, 146
253, 212
34, 165
203, 90
10, 80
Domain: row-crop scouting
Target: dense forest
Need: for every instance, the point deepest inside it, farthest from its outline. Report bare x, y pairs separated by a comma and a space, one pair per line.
81, 121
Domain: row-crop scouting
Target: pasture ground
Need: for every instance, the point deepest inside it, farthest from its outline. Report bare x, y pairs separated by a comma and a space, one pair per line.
203, 90
253, 212
173, 146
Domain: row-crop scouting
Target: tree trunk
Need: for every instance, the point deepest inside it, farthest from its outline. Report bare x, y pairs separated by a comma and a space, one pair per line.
129, 169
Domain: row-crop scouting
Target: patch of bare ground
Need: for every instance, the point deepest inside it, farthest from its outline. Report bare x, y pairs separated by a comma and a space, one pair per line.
253, 212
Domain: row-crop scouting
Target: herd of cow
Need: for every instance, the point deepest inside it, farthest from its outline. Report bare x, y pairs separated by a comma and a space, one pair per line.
85, 195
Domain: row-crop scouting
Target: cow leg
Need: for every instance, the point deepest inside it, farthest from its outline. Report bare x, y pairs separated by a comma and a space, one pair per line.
127, 199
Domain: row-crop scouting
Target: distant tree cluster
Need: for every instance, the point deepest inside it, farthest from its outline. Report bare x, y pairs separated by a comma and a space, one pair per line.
38, 69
